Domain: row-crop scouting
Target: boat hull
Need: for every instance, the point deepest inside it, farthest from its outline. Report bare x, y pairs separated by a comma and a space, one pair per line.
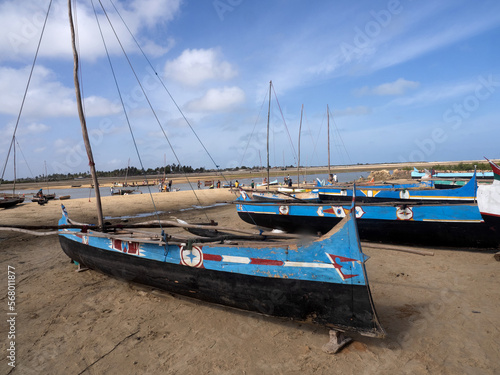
304, 282
297, 299
444, 225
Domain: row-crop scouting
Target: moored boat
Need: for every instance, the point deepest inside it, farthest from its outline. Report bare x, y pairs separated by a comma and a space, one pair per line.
7, 202
456, 225
318, 280
457, 175
464, 194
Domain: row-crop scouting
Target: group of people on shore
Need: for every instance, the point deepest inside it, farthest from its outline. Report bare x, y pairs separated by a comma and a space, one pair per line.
165, 185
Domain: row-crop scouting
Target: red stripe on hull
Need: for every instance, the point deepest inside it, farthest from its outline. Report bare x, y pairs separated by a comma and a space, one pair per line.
267, 262
216, 258
488, 214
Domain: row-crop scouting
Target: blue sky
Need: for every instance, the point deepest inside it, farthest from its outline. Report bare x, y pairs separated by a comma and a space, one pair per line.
404, 80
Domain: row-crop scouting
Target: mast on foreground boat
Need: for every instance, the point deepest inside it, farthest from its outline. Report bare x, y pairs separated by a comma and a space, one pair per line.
83, 122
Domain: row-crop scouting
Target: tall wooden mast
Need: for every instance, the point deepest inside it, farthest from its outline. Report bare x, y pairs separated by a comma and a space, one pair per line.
15, 177
83, 122
300, 131
328, 117
268, 119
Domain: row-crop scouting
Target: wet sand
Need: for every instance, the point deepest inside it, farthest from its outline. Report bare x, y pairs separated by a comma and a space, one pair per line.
440, 312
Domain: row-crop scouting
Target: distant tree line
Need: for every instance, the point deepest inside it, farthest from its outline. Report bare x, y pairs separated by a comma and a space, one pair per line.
130, 171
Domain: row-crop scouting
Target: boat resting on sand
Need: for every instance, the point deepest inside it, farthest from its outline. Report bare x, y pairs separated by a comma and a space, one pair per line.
319, 280
7, 202
464, 194
470, 224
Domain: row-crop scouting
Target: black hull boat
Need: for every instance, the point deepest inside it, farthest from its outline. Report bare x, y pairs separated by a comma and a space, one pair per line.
8, 202
323, 281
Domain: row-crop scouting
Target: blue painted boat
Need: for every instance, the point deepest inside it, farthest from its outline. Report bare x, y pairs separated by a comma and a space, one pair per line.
282, 196
321, 280
459, 175
466, 193
386, 185
457, 225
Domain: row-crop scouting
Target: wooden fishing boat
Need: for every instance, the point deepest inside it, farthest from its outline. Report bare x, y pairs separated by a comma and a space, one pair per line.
7, 202
464, 194
463, 175
435, 224
282, 196
320, 280
115, 191
45, 198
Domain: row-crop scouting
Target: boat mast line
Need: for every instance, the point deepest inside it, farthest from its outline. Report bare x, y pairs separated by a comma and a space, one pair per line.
268, 118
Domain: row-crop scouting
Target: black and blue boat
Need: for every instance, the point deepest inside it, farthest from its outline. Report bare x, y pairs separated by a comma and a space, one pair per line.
367, 194
403, 221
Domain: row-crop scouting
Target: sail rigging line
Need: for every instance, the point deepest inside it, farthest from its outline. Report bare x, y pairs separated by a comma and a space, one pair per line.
298, 163
253, 131
149, 102
311, 155
338, 136
315, 143
26, 90
170, 95
22, 153
284, 122
125, 113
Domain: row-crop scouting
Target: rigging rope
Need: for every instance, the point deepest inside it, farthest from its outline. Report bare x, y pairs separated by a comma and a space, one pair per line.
149, 102
335, 128
171, 98
253, 130
124, 109
32, 175
286, 127
26, 90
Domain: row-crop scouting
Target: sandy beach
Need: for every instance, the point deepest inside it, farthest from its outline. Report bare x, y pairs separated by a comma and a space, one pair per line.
440, 312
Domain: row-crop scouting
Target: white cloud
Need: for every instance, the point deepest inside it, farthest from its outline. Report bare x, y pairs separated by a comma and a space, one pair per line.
37, 128
195, 66
398, 87
217, 100
22, 26
46, 96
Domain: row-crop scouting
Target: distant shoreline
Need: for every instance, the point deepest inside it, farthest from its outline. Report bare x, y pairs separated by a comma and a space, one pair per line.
193, 178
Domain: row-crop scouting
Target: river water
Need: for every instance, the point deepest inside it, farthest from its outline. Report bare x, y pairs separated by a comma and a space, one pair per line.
106, 191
